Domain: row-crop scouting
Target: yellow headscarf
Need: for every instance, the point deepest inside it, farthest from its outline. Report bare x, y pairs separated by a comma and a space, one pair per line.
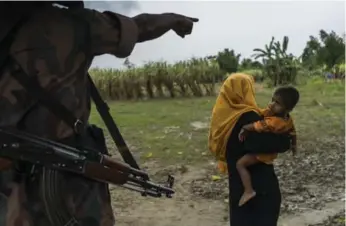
236, 97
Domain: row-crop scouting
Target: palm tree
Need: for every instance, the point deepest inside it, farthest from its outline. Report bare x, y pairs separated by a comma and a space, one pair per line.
279, 66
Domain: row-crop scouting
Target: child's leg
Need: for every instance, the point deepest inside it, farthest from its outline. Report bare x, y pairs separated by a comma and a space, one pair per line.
243, 162
245, 176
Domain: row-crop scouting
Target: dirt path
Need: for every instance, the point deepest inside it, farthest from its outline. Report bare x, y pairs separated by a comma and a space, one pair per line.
182, 209
314, 217
172, 213
187, 209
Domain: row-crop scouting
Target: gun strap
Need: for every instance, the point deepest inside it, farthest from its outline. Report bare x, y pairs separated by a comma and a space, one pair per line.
118, 139
33, 87
32, 84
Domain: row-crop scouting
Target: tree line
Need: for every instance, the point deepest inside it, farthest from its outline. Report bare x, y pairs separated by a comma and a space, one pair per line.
325, 51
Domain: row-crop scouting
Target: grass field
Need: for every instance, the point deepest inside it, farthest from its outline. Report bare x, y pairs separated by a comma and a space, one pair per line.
166, 130
172, 134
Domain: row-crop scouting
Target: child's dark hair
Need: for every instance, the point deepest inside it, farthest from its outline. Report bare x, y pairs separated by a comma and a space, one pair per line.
289, 96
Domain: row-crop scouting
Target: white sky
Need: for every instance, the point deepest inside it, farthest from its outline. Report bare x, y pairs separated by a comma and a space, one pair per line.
241, 25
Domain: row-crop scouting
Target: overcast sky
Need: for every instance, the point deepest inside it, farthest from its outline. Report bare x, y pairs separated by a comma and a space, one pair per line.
241, 25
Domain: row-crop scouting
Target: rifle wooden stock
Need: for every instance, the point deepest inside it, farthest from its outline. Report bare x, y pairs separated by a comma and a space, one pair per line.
114, 164
99, 172
5, 164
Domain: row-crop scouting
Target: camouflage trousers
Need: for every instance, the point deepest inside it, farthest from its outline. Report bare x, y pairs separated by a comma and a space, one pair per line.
86, 202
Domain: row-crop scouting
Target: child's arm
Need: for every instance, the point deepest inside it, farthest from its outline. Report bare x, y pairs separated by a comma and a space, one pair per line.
268, 124
251, 127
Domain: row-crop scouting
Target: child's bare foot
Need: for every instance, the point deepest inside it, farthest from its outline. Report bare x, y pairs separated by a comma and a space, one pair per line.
246, 197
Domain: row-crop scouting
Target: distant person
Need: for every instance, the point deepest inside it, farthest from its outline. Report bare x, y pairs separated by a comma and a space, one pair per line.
236, 107
276, 120
329, 76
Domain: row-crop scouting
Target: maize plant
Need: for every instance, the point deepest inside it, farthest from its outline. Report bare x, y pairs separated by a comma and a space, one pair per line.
195, 77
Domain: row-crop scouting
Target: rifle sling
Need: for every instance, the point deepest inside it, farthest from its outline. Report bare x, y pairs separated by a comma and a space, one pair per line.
34, 88
118, 139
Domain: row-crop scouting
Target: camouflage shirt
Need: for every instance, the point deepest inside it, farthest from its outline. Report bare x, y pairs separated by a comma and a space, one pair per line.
57, 46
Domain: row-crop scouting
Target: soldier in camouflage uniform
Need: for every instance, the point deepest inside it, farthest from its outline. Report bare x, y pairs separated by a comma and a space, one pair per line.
57, 45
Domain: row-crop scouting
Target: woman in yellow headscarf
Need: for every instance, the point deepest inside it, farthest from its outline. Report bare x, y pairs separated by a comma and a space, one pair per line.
236, 97
236, 106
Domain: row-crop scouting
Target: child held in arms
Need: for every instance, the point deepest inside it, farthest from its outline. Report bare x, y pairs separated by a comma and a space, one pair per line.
276, 119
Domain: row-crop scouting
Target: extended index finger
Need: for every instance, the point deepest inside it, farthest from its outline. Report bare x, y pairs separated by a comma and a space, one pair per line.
193, 19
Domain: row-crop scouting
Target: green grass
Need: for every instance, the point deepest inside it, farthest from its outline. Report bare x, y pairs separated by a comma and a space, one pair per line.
162, 127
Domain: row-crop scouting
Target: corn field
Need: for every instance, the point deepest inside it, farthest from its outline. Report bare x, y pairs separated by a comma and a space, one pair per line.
196, 77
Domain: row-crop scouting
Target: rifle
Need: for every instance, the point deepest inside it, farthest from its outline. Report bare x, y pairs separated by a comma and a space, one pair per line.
21, 146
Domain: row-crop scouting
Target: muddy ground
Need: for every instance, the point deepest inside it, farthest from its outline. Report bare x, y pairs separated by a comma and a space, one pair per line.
312, 184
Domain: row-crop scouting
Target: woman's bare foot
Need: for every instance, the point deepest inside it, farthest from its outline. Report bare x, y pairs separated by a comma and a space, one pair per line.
246, 197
